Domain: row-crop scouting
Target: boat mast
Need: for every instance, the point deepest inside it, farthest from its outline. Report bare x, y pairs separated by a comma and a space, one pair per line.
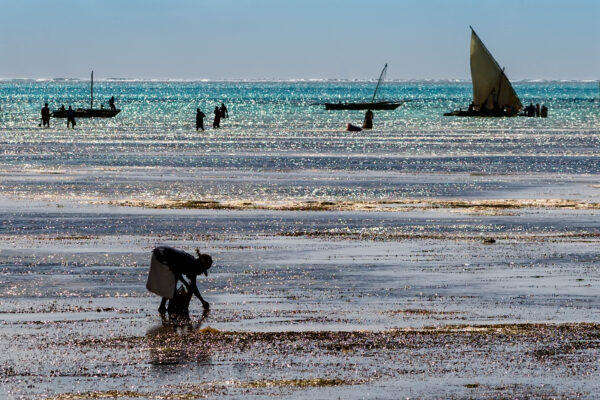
92, 92
381, 78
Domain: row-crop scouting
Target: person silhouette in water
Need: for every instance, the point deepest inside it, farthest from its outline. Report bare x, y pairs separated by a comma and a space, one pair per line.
224, 112
199, 120
45, 116
111, 103
183, 264
217, 120
71, 117
368, 124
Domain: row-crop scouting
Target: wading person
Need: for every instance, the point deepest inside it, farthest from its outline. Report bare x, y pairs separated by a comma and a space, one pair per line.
71, 117
45, 116
168, 266
224, 112
368, 124
217, 120
199, 120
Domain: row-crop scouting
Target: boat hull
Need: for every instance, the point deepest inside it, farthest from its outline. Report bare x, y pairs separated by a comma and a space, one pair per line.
461, 113
382, 105
89, 113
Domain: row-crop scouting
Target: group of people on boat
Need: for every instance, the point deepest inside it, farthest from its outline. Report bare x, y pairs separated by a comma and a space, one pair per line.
219, 112
508, 111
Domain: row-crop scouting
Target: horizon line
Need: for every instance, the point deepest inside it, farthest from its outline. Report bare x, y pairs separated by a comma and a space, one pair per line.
280, 80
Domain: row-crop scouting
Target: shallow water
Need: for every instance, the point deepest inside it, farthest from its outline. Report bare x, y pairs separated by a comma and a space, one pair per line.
312, 229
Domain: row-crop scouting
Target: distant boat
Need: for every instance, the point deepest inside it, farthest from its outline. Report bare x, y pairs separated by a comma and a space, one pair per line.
90, 112
492, 91
380, 105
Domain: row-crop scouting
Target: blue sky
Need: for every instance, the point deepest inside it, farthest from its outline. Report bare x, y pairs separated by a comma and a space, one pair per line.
282, 39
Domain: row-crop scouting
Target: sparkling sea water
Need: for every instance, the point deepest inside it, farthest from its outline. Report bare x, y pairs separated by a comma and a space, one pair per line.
282, 128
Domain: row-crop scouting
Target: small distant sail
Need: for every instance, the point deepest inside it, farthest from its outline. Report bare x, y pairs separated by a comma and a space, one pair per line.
491, 87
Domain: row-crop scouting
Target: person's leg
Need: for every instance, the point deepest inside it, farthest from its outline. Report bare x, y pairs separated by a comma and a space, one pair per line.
163, 306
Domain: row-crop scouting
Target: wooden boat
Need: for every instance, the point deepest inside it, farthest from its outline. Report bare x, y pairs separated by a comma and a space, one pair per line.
372, 105
482, 113
493, 95
89, 112
380, 105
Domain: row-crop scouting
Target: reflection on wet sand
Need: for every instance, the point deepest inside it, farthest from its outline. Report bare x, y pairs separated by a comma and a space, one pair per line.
168, 344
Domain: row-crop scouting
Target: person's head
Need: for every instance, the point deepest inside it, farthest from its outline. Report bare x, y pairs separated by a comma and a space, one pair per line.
204, 262
197, 110
222, 104
70, 108
45, 104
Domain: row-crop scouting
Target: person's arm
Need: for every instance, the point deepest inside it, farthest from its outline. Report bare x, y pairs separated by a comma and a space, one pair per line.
196, 292
194, 289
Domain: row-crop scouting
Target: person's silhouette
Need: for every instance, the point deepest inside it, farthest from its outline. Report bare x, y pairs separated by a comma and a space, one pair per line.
217, 120
224, 112
180, 264
71, 117
199, 120
368, 124
45, 116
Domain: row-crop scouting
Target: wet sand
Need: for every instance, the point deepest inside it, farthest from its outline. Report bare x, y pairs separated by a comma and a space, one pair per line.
191, 362
362, 304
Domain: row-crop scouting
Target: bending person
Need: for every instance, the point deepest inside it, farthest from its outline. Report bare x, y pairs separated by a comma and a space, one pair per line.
169, 266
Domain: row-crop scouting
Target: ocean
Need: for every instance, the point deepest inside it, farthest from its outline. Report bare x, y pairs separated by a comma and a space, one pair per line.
426, 254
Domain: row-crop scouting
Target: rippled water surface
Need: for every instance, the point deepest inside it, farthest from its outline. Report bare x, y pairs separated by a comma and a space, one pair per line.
282, 129
333, 250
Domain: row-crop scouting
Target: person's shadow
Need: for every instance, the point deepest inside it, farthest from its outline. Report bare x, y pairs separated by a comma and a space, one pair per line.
169, 342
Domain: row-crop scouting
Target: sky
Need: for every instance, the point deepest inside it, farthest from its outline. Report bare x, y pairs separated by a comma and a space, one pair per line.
288, 39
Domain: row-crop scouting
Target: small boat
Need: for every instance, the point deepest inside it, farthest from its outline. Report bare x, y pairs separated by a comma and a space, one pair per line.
380, 105
89, 112
493, 95
373, 105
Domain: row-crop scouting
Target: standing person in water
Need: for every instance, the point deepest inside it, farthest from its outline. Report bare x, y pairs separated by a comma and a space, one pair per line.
71, 118
368, 124
224, 112
45, 116
168, 266
199, 120
217, 121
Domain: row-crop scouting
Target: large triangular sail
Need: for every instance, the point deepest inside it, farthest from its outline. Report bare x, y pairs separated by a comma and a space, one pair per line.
491, 88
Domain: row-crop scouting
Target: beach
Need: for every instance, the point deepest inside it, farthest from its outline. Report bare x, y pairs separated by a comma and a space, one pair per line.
432, 257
